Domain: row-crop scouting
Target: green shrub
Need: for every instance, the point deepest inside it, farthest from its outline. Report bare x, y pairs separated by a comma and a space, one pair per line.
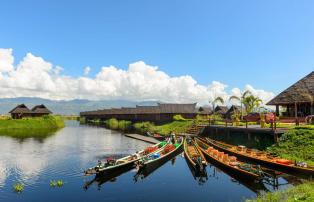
178, 117
296, 144
112, 124
144, 127
303, 192
125, 125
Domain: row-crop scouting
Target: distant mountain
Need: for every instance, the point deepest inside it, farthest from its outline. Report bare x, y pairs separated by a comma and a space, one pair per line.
71, 107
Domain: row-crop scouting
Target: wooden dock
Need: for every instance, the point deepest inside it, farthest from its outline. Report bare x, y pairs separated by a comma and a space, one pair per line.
143, 138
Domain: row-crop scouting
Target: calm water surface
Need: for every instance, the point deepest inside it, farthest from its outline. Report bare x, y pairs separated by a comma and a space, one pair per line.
65, 154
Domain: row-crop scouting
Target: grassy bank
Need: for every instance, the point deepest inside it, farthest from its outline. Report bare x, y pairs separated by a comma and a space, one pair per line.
296, 144
39, 127
303, 192
177, 126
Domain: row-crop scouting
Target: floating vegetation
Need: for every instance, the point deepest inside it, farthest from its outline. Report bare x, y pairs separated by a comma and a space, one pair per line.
60, 183
56, 183
18, 187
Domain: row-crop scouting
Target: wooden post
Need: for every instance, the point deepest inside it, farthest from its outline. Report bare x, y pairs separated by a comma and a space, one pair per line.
277, 110
246, 123
296, 113
226, 124
275, 137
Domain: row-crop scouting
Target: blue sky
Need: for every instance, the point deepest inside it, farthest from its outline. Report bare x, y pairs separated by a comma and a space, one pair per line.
267, 44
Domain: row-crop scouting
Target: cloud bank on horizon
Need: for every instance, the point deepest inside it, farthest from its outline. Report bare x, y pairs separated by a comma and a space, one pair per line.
35, 77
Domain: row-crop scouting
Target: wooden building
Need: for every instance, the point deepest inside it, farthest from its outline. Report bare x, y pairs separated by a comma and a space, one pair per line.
297, 100
158, 114
40, 110
232, 110
221, 110
22, 111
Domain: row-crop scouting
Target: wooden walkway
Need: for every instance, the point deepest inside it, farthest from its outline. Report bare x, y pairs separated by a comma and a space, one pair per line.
143, 138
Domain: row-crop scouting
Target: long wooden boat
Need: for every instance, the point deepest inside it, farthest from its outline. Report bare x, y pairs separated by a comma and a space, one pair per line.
125, 163
153, 161
194, 156
262, 158
229, 164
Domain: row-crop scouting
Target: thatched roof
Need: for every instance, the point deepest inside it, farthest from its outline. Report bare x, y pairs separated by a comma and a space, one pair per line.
205, 110
20, 109
41, 109
233, 109
147, 109
221, 109
177, 108
159, 109
301, 91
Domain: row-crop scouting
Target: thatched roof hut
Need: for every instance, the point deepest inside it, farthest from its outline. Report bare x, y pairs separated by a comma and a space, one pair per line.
20, 109
222, 110
205, 110
298, 98
41, 109
232, 110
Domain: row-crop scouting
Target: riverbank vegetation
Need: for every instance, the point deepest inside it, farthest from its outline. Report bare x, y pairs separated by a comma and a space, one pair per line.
296, 144
303, 192
179, 125
31, 127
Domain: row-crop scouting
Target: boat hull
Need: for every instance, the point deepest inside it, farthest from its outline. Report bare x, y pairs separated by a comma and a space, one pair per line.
229, 169
280, 167
150, 167
125, 167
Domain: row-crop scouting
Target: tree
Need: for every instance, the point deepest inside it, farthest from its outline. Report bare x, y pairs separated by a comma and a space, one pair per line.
251, 102
240, 99
216, 100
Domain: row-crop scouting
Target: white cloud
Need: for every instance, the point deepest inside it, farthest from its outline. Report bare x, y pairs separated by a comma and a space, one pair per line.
86, 70
6, 60
34, 76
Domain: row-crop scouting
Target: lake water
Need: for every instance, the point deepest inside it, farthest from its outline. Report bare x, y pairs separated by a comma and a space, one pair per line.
66, 153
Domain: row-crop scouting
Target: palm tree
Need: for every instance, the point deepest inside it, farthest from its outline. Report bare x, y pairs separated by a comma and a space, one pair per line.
251, 102
240, 99
216, 100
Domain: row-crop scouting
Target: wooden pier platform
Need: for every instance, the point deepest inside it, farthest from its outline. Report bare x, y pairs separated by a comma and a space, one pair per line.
143, 138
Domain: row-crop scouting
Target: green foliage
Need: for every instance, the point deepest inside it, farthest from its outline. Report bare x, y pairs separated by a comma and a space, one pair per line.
176, 126
125, 125
112, 124
250, 103
144, 127
165, 129
296, 144
18, 187
303, 192
178, 117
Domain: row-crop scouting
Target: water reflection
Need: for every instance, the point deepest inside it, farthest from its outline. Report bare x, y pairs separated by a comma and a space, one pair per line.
74, 148
21, 134
199, 176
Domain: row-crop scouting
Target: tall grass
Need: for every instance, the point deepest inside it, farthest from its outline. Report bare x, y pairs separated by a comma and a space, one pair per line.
31, 127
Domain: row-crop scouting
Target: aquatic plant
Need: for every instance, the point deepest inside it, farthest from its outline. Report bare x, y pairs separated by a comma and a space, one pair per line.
60, 183
56, 183
18, 187
53, 183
